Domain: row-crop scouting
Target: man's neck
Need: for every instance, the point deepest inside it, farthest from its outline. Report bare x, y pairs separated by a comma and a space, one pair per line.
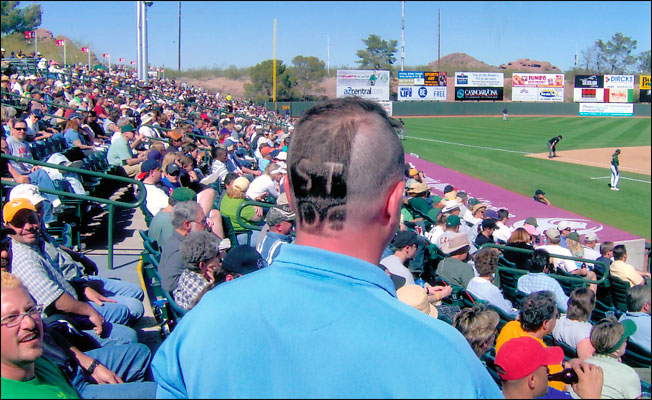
17, 373
347, 243
401, 256
181, 232
539, 333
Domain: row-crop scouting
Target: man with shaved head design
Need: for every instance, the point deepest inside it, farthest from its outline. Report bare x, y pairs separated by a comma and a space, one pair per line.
323, 319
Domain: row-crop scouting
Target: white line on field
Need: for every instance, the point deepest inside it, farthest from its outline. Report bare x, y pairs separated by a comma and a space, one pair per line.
622, 177
468, 145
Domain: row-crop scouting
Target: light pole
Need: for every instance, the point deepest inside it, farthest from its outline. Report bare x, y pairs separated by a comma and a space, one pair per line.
328, 54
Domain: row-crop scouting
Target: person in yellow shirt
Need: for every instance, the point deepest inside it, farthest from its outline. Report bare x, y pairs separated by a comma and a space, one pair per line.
620, 269
537, 318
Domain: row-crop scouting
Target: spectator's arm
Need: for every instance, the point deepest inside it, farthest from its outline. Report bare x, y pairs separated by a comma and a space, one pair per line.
585, 349
66, 303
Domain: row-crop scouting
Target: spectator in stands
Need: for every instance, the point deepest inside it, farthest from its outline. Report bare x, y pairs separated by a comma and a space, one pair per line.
405, 244
418, 193
486, 235
537, 318
28, 174
99, 109
34, 131
335, 206
454, 269
160, 228
187, 216
120, 153
110, 125
479, 325
574, 246
638, 310
521, 239
624, 271
540, 196
606, 256
537, 279
502, 232
266, 186
569, 266
453, 223
522, 364
438, 229
564, 230
175, 139
574, 328
590, 241
482, 286
415, 297
200, 254
74, 138
235, 195
609, 337
280, 221
156, 198
47, 284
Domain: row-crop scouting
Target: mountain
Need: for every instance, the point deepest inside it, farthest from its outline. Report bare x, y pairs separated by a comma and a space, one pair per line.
460, 61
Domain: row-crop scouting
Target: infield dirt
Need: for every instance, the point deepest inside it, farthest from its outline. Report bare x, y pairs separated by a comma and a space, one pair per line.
632, 159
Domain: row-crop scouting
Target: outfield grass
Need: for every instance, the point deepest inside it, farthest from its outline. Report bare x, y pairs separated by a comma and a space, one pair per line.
502, 160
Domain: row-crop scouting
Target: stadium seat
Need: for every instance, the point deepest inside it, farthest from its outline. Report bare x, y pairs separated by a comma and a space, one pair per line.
151, 246
636, 356
600, 311
504, 317
566, 284
619, 290
508, 283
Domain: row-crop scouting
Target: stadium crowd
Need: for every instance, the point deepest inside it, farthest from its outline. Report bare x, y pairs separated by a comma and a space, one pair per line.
357, 279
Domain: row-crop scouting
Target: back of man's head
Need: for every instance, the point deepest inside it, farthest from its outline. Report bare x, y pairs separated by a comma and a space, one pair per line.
184, 211
537, 308
638, 296
343, 158
486, 261
619, 252
502, 214
606, 247
538, 261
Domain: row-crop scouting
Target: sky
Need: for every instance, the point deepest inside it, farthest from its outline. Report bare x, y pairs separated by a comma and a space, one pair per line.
220, 34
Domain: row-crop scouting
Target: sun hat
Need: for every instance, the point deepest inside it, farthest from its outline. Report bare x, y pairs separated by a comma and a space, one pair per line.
415, 296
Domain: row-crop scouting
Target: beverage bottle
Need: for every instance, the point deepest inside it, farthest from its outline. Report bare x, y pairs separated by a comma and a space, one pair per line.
568, 376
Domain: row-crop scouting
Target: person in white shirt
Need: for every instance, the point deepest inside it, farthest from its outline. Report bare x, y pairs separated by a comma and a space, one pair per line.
405, 243
554, 237
482, 286
503, 232
266, 184
156, 199
590, 243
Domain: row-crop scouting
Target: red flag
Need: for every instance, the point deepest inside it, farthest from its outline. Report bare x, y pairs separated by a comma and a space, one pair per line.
122, 59
132, 62
106, 55
30, 34
60, 42
84, 50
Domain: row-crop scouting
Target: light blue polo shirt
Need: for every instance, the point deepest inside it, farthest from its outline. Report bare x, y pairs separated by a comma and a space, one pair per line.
315, 324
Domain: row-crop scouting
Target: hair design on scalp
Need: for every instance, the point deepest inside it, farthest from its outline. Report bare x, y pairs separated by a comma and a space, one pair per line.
342, 154
537, 308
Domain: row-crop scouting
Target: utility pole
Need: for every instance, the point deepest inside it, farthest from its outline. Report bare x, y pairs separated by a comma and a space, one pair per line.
139, 64
328, 55
402, 34
274, 78
179, 40
438, 37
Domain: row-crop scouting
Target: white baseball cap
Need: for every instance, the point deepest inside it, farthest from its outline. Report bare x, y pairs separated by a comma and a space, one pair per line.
26, 191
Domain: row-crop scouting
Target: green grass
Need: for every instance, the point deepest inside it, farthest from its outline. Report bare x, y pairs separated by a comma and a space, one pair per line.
568, 186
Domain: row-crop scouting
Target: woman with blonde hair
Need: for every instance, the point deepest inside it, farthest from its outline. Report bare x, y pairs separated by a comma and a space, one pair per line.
267, 184
235, 195
520, 239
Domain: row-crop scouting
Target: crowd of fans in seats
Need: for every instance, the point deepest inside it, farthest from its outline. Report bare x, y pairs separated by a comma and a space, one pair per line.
318, 296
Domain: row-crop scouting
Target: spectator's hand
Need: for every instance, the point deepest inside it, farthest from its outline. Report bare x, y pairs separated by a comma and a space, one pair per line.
257, 173
443, 291
97, 320
92, 295
589, 385
104, 375
259, 211
34, 168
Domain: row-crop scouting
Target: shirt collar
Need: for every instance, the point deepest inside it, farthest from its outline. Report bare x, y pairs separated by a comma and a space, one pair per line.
327, 262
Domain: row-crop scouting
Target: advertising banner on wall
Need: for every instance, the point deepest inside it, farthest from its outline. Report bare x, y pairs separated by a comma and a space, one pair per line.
619, 95
479, 79
478, 93
645, 92
366, 84
436, 78
421, 93
586, 95
619, 81
606, 110
589, 81
387, 106
537, 87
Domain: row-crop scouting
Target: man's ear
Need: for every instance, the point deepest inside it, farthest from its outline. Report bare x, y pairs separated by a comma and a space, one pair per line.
228, 277
393, 202
286, 185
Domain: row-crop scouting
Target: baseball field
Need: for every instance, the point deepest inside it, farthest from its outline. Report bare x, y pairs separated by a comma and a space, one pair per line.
513, 154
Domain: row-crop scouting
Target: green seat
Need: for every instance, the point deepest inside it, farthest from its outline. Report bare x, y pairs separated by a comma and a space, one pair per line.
508, 283
619, 290
636, 356
566, 284
600, 311
151, 246
504, 318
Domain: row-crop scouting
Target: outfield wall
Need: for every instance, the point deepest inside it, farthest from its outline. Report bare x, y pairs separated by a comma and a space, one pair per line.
406, 109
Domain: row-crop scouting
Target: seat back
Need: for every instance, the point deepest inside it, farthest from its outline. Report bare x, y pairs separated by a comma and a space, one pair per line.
619, 290
151, 246
636, 356
504, 318
508, 280
601, 309
566, 284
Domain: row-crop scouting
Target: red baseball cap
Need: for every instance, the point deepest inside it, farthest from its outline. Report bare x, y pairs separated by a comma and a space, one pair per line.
519, 357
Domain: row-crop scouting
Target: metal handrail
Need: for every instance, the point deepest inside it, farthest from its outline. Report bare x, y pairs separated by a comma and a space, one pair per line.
43, 101
247, 203
111, 203
562, 277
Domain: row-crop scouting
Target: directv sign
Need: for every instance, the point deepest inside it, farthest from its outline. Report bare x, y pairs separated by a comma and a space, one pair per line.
589, 81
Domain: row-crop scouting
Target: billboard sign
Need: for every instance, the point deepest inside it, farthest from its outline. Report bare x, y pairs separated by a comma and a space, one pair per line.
606, 110
410, 78
366, 84
589, 81
478, 93
421, 93
480, 79
644, 82
538, 80
619, 81
588, 95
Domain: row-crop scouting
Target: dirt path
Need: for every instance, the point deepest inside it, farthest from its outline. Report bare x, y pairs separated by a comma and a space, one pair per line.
632, 159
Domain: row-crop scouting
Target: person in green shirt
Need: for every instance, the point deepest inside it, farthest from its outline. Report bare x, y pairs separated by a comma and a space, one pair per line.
235, 195
615, 175
25, 374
